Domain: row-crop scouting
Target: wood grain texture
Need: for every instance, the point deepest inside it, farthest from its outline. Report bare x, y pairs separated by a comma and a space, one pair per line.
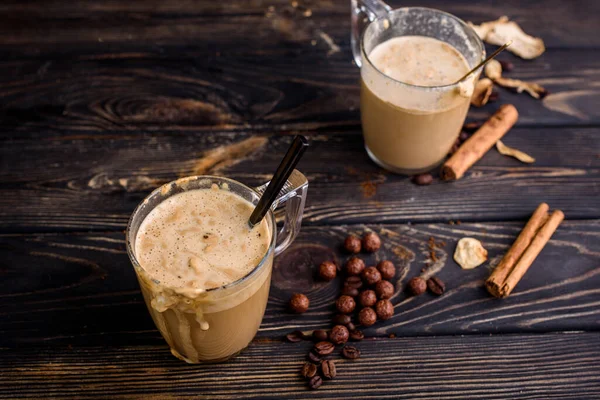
80, 289
71, 181
557, 366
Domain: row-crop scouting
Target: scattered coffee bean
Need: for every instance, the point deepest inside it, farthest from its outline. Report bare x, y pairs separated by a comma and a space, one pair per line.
308, 370
323, 348
384, 289
314, 357
422, 179
327, 271
493, 97
371, 242
319, 335
342, 319
345, 304
472, 126
367, 298
371, 275
454, 148
339, 334
315, 382
356, 335
350, 326
384, 309
367, 316
354, 266
352, 244
464, 136
507, 66
350, 352
349, 291
299, 303
354, 282
436, 285
386, 269
296, 336
417, 286
328, 369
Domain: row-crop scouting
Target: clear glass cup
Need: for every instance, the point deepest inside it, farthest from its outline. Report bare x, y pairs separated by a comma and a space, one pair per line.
409, 129
216, 324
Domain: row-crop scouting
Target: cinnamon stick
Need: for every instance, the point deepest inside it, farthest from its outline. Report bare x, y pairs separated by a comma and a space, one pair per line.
524, 251
481, 141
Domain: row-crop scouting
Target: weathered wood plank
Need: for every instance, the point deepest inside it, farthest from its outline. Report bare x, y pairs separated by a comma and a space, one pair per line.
36, 23
493, 367
80, 289
283, 87
72, 181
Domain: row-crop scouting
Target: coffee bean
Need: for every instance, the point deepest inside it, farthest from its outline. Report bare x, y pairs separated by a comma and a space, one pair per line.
308, 370
323, 348
315, 382
352, 244
367, 298
354, 282
506, 65
314, 357
319, 335
299, 303
349, 291
342, 319
350, 352
422, 179
296, 336
384, 309
354, 266
367, 316
371, 276
436, 285
386, 269
384, 289
328, 369
371, 242
417, 286
327, 271
356, 335
464, 136
345, 304
339, 334
350, 326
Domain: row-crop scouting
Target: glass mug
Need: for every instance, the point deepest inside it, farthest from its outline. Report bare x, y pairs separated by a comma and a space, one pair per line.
409, 129
214, 325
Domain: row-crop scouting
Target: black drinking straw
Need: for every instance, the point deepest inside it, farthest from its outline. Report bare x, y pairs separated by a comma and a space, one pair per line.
289, 162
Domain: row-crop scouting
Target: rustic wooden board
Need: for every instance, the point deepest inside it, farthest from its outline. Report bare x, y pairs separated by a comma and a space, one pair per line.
80, 289
550, 366
71, 181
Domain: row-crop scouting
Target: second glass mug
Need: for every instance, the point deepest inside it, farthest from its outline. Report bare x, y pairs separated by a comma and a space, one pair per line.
409, 129
214, 325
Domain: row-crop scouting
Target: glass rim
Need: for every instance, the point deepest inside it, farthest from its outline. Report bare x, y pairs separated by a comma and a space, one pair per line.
396, 10
130, 242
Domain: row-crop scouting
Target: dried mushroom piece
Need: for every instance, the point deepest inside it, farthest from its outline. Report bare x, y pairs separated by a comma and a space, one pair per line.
512, 152
502, 30
493, 70
482, 92
469, 253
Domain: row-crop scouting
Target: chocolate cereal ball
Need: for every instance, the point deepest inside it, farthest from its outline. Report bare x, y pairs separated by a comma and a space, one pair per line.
299, 303
367, 316
345, 304
367, 298
384, 289
386, 269
371, 242
327, 271
384, 309
371, 276
352, 244
354, 266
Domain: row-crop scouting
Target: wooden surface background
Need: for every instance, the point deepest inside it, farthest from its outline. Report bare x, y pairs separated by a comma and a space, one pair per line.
102, 102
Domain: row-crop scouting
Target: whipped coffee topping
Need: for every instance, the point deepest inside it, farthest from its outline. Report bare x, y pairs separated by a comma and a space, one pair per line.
200, 239
419, 60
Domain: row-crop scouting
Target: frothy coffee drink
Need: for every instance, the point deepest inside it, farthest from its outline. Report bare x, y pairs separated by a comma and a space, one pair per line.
410, 128
191, 246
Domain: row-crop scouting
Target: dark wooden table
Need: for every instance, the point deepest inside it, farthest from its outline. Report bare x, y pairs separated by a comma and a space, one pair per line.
103, 101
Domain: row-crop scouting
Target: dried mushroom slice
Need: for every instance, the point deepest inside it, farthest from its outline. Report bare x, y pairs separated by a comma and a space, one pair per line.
469, 253
512, 152
502, 31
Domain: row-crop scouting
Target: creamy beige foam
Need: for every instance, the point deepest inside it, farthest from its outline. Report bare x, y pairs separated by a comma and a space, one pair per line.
410, 128
200, 239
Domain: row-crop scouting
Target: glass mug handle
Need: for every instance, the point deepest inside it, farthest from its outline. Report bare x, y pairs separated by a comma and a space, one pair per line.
293, 195
363, 12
